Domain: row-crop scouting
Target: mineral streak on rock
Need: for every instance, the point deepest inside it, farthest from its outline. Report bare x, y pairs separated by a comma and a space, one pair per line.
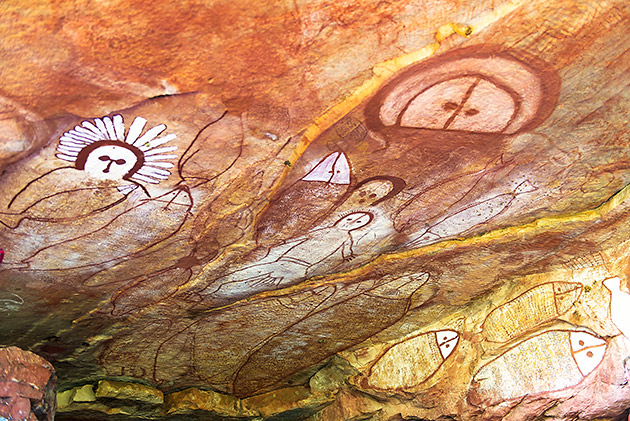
189, 400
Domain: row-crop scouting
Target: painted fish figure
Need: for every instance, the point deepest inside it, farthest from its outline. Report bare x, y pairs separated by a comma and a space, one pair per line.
551, 361
411, 362
534, 307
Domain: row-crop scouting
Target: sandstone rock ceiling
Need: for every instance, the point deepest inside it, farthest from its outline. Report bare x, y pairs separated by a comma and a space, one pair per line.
384, 209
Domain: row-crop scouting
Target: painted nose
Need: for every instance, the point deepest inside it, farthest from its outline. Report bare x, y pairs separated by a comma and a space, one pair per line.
111, 161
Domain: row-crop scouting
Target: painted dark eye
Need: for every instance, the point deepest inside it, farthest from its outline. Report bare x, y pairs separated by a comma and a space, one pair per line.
120, 161
471, 112
449, 106
104, 158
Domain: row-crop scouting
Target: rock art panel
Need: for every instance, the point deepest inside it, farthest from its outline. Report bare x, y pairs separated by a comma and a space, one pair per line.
319, 250
461, 82
443, 132
529, 310
619, 305
105, 151
129, 212
233, 348
206, 244
154, 219
113, 167
551, 361
459, 110
330, 329
411, 362
460, 222
317, 193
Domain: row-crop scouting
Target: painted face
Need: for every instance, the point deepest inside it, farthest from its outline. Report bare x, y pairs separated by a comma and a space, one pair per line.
332, 169
371, 192
110, 162
476, 90
464, 103
588, 351
354, 220
101, 149
447, 341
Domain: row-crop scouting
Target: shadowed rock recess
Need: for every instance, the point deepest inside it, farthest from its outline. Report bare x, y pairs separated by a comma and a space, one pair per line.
318, 210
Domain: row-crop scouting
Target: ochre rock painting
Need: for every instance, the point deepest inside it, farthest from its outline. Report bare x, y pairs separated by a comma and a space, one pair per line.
274, 359
550, 361
529, 310
324, 185
299, 258
412, 361
250, 359
339, 231
466, 90
370, 211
